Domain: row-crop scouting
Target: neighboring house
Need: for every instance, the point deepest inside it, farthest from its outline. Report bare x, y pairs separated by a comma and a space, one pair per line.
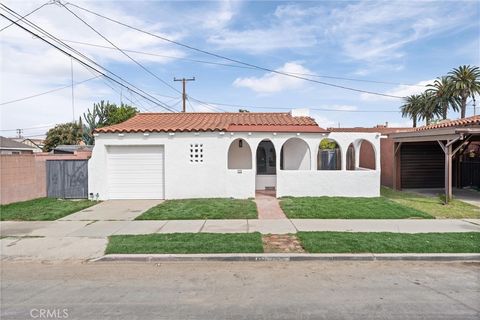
441, 155
71, 149
208, 155
386, 150
10, 146
37, 144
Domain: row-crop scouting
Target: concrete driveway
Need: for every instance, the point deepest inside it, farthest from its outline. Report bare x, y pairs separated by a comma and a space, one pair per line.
113, 210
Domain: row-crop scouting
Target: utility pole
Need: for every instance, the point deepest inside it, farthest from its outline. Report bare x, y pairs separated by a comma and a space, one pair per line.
184, 95
19, 133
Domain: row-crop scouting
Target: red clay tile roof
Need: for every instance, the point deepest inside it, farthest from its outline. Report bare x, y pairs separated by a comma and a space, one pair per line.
241, 121
475, 120
382, 130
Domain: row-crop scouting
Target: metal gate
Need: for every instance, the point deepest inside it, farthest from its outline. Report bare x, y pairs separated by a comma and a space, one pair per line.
67, 179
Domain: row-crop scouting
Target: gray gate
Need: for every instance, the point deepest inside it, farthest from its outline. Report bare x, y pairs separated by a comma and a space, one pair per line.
67, 179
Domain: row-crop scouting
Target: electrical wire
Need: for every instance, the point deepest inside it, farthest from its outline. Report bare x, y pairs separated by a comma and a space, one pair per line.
23, 17
231, 59
241, 66
137, 90
47, 92
122, 51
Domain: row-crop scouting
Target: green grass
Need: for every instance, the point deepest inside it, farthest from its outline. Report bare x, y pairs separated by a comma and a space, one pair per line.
218, 208
186, 243
347, 208
384, 242
432, 205
42, 209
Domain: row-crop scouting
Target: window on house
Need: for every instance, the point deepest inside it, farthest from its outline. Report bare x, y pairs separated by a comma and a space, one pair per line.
196, 152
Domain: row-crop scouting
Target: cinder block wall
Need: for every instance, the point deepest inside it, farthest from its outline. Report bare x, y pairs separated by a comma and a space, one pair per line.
22, 178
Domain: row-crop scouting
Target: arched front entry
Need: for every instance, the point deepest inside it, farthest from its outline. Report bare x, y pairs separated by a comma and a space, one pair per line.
266, 166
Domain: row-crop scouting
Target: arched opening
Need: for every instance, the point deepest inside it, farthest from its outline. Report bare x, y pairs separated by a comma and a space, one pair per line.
329, 155
295, 155
266, 166
367, 155
239, 155
350, 164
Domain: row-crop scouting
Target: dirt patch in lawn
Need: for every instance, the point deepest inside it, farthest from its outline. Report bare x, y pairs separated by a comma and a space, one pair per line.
281, 243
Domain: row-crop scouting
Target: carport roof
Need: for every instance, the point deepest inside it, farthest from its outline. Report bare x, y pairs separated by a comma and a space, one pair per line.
443, 130
204, 122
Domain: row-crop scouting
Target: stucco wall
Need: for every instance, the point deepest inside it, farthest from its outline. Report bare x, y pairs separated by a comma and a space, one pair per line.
212, 178
296, 155
22, 178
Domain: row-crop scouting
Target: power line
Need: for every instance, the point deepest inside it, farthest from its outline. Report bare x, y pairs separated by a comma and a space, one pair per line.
231, 59
243, 67
47, 92
137, 90
49, 35
124, 53
31, 128
23, 17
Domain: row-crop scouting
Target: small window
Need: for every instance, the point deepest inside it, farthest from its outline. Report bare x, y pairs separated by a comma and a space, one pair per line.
196, 152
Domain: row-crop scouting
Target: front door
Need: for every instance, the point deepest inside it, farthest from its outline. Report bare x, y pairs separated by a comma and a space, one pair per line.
266, 166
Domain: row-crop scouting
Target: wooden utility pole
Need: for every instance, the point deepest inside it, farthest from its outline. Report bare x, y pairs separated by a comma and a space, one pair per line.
184, 95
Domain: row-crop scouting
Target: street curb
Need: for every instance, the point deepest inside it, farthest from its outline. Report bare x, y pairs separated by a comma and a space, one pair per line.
289, 257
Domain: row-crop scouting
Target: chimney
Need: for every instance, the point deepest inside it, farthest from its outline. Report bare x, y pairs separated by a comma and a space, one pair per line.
300, 112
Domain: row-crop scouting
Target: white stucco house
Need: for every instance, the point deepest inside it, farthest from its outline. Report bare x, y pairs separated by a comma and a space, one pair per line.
212, 155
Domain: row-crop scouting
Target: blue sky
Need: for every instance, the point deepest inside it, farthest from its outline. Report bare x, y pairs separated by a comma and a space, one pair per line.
409, 42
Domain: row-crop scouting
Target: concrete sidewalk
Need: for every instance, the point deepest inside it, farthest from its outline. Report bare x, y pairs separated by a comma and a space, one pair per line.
101, 229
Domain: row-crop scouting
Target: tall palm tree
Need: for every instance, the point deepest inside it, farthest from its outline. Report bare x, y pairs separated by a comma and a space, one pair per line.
465, 83
411, 108
428, 108
443, 95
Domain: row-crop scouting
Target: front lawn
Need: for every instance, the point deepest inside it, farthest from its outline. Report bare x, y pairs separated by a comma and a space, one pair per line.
433, 205
186, 243
385, 242
42, 209
347, 208
202, 209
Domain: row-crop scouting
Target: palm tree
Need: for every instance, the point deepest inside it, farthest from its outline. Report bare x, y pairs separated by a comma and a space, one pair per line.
444, 98
411, 108
465, 83
428, 108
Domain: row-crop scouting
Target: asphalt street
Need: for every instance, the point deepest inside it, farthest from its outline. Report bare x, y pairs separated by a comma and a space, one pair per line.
241, 290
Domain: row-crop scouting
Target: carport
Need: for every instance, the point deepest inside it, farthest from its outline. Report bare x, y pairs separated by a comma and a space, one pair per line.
439, 155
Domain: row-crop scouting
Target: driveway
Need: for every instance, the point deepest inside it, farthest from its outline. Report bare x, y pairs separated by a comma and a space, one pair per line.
466, 195
113, 210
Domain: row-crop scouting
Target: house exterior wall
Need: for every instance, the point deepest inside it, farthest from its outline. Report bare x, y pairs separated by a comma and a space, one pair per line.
296, 155
212, 178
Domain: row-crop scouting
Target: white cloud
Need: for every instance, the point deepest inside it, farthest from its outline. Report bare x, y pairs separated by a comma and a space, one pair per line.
324, 122
273, 82
400, 91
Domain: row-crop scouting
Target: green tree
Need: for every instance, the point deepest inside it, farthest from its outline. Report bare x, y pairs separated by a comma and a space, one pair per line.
411, 108
328, 144
105, 114
65, 133
443, 95
465, 84
428, 108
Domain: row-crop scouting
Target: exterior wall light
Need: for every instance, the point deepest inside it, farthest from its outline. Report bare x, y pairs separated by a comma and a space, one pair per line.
171, 133
146, 134
240, 143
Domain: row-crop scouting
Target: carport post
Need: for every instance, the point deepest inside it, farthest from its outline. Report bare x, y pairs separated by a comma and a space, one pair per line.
448, 173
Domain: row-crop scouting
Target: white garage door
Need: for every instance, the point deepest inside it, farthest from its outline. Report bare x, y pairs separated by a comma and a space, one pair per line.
135, 172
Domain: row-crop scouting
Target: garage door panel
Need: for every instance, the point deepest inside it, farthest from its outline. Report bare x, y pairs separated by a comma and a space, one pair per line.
135, 172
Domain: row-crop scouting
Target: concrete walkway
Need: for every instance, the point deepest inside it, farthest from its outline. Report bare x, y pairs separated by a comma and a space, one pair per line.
113, 210
101, 229
81, 240
268, 206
